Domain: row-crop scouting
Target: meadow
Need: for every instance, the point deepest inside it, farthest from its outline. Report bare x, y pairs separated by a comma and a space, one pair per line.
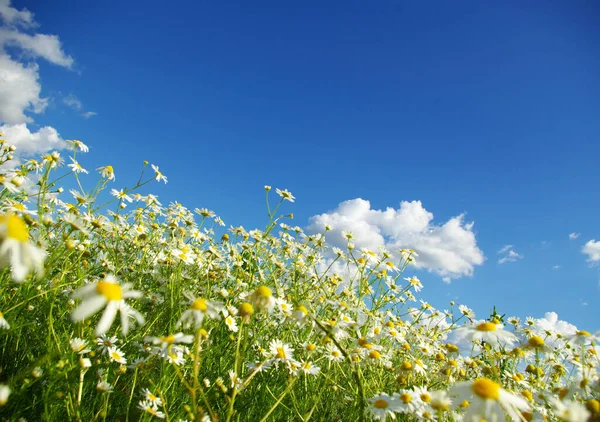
115, 307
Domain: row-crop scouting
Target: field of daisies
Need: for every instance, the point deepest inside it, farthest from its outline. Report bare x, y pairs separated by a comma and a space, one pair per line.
115, 307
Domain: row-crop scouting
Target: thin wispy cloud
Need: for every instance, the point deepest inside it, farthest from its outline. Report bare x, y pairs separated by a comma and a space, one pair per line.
509, 255
75, 103
574, 235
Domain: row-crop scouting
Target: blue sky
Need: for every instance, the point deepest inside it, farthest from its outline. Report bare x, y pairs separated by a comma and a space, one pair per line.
487, 109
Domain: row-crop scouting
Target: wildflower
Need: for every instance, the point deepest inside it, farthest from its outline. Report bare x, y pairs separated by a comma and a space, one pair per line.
159, 176
231, 323
582, 338
104, 342
107, 292
167, 341
16, 249
334, 354
415, 283
76, 167
489, 400
121, 194
76, 144
309, 369
4, 394
490, 332
78, 345
104, 387
152, 398
285, 194
569, 411
3, 323
198, 309
107, 172
117, 355
382, 406
280, 351
148, 407
262, 298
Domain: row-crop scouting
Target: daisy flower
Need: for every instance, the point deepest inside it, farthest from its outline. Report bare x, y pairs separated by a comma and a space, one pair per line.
285, 194
382, 406
111, 294
159, 176
490, 332
117, 355
198, 309
16, 250
489, 401
107, 172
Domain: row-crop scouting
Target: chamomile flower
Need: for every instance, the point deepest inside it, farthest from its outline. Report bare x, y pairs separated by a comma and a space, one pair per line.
148, 407
492, 333
158, 175
116, 355
199, 308
79, 345
3, 322
281, 351
152, 398
488, 400
381, 406
285, 194
108, 293
76, 167
16, 250
107, 172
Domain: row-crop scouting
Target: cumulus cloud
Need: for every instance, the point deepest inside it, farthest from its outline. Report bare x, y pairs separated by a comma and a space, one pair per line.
20, 87
574, 235
448, 249
45, 139
551, 323
509, 255
592, 250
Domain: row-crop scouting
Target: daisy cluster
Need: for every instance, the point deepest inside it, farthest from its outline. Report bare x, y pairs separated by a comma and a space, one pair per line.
114, 306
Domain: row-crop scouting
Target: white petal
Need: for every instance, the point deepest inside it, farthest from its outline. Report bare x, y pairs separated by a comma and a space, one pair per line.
88, 308
108, 317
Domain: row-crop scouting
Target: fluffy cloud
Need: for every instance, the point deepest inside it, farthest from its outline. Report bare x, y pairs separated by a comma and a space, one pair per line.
592, 250
27, 142
20, 88
551, 323
509, 255
448, 249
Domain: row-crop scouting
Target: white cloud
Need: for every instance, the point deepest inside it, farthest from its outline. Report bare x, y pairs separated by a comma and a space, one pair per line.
556, 267
449, 249
20, 88
574, 235
75, 103
45, 139
19, 91
592, 250
510, 255
505, 248
550, 322
12, 16
37, 45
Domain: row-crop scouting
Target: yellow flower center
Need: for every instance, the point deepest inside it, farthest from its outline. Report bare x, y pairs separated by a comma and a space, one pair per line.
486, 326
111, 291
200, 305
486, 389
16, 228
406, 398
116, 356
263, 291
310, 347
406, 366
302, 309
168, 339
374, 354
583, 333
426, 398
246, 309
280, 353
535, 341
380, 404
464, 404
